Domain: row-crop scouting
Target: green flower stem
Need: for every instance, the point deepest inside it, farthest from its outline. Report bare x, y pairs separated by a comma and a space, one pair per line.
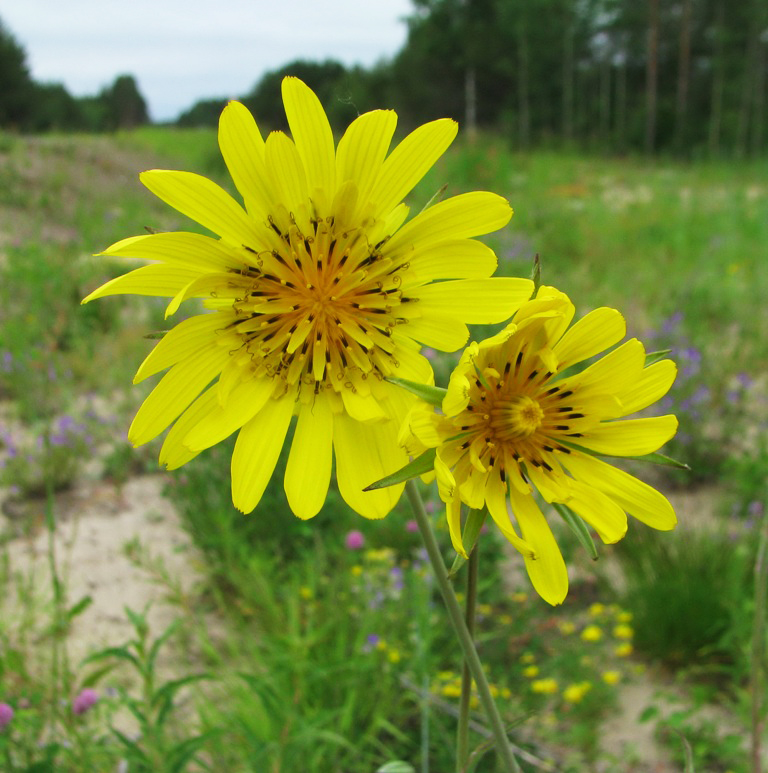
758, 645
459, 626
462, 732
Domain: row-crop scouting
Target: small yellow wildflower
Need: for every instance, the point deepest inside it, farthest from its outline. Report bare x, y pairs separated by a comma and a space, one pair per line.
451, 690
393, 656
356, 570
381, 645
597, 609
486, 610
527, 657
574, 693
306, 593
531, 671
624, 617
623, 631
566, 627
611, 677
623, 650
544, 686
519, 597
592, 633
506, 693
505, 619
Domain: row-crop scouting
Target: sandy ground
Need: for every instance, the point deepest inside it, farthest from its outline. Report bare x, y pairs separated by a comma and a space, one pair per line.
115, 546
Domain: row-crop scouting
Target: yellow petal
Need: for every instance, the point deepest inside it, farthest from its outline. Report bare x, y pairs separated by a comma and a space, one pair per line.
287, 174
496, 499
444, 334
630, 437
189, 250
454, 259
639, 499
453, 516
410, 161
475, 301
156, 279
364, 454
312, 134
174, 453
181, 342
469, 214
203, 201
175, 391
361, 407
546, 569
308, 473
242, 147
599, 511
363, 148
243, 403
592, 334
257, 450
651, 385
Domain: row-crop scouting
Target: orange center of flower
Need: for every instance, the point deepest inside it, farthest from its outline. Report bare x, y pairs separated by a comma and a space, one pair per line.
321, 309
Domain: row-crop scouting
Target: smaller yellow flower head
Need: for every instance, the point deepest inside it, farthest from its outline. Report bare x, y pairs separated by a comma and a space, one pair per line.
611, 677
517, 420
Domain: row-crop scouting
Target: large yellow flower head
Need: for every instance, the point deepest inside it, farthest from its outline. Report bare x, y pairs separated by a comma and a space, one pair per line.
317, 291
518, 419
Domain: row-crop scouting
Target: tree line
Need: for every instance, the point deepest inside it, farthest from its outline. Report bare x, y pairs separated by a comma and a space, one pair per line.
29, 106
683, 77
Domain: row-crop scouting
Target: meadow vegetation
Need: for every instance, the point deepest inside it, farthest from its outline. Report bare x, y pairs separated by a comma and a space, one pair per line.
317, 650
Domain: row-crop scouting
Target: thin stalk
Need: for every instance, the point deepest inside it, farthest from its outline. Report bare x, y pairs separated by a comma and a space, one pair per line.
758, 644
460, 629
462, 731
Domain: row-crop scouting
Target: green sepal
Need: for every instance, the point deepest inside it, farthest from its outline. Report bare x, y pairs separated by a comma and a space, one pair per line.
654, 458
536, 275
429, 394
579, 528
651, 357
472, 526
663, 459
421, 464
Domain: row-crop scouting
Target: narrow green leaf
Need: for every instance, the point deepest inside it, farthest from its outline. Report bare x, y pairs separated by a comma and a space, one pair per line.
579, 528
79, 607
651, 357
396, 766
536, 275
655, 458
420, 465
429, 394
662, 459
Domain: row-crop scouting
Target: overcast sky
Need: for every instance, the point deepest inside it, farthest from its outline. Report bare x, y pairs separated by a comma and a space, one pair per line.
183, 50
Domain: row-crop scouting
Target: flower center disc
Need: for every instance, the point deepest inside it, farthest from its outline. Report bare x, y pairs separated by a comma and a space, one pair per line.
518, 417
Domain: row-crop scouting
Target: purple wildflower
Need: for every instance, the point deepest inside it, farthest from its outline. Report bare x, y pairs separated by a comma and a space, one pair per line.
6, 715
85, 700
354, 540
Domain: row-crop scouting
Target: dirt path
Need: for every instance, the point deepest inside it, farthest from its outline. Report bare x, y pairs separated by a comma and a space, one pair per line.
120, 547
